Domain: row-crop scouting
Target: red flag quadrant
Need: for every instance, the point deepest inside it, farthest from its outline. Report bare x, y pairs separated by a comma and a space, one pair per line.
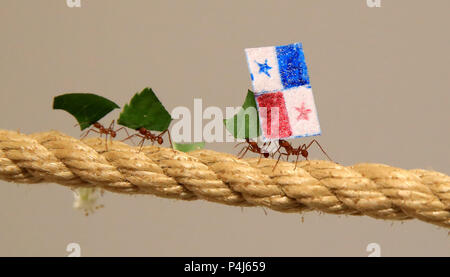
288, 113
273, 114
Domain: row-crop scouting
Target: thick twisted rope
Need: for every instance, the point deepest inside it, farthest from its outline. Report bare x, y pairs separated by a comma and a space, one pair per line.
375, 190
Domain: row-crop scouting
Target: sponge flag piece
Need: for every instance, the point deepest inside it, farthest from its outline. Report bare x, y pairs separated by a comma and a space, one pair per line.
282, 92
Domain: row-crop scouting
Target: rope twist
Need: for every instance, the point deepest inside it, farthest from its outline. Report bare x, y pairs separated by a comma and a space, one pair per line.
375, 190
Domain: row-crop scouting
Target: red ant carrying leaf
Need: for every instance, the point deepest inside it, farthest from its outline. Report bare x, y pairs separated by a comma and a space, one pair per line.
146, 114
145, 134
300, 150
88, 109
252, 146
100, 129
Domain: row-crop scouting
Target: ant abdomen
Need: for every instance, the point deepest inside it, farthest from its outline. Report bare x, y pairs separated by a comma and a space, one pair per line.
305, 153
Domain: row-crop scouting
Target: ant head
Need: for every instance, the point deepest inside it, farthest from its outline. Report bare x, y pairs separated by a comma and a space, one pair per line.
283, 142
113, 133
142, 131
266, 155
97, 125
304, 153
160, 140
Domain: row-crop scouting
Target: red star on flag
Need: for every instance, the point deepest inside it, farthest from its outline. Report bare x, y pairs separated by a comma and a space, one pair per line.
303, 112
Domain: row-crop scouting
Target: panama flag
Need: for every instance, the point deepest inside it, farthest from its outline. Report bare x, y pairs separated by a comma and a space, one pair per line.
283, 92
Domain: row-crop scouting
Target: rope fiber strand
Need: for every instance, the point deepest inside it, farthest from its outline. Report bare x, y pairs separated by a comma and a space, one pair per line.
374, 190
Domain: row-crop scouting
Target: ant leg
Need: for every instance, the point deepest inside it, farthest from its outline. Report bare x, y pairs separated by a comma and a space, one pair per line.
126, 132
170, 138
111, 126
279, 156
128, 135
122, 128
296, 160
84, 134
277, 151
260, 156
239, 153
141, 144
303, 147
319, 147
238, 144
106, 141
88, 131
245, 152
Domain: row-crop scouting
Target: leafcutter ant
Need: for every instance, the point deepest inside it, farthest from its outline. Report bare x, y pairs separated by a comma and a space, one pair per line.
252, 146
100, 129
145, 134
300, 150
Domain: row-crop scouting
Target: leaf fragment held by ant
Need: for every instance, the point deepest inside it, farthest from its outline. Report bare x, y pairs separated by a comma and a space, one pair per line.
87, 108
245, 124
145, 110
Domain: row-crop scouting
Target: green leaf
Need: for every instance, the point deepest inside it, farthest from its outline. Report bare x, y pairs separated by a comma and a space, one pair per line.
245, 124
187, 147
87, 108
145, 110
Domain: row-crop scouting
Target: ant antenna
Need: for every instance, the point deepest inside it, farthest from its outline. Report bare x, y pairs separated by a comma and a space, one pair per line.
323, 151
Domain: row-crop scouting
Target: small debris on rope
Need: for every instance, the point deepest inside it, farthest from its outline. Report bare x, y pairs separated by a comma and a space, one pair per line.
85, 199
265, 212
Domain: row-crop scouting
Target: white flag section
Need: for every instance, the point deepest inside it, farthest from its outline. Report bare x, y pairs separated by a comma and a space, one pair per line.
282, 92
263, 66
302, 112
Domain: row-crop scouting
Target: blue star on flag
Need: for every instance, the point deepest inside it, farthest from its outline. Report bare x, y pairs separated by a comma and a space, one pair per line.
264, 68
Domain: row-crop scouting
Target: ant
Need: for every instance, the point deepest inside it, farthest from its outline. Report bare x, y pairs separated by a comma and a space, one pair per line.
253, 147
301, 150
100, 129
145, 134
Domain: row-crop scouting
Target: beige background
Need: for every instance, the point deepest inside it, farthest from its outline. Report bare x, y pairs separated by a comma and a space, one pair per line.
381, 83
